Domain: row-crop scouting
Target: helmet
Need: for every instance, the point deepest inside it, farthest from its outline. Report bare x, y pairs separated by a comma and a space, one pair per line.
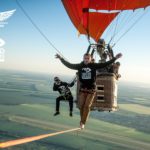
56, 79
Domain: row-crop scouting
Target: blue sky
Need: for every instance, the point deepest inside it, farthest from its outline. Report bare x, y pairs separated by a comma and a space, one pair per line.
27, 50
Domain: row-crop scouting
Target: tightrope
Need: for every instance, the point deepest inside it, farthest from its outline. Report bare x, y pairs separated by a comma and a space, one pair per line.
33, 138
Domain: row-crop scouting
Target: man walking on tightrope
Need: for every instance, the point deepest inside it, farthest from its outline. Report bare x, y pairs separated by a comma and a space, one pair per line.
87, 78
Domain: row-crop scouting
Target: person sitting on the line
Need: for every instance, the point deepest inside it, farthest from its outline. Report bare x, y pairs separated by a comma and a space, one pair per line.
65, 94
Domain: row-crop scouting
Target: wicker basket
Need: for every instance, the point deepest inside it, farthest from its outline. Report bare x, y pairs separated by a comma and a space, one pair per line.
106, 93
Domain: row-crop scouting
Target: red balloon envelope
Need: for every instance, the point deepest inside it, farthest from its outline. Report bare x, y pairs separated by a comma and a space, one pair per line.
93, 23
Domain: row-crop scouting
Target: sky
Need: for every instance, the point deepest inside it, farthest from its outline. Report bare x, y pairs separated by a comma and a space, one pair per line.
27, 50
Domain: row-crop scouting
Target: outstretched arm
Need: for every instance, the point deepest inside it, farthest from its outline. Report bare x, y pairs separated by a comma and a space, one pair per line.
67, 64
102, 65
72, 83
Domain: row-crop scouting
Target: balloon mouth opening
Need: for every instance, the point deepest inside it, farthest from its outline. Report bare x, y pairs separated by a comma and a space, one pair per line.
105, 11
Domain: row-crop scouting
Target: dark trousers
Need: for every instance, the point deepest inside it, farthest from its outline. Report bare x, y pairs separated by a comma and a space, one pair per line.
85, 102
68, 98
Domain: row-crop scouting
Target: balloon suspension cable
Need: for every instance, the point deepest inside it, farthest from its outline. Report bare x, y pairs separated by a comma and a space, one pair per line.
113, 36
37, 28
136, 21
33, 138
88, 38
116, 24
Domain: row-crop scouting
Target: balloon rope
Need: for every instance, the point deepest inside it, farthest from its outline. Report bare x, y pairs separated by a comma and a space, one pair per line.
38, 29
136, 21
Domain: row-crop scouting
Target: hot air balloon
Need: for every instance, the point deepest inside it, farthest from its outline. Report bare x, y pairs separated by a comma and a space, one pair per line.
93, 18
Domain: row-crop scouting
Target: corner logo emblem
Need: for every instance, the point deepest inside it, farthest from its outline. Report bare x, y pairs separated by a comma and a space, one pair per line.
4, 16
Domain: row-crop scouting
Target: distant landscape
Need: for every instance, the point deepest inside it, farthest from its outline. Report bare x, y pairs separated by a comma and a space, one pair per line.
27, 104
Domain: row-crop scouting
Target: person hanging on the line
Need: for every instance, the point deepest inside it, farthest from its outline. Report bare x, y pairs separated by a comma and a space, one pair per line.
65, 94
87, 77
